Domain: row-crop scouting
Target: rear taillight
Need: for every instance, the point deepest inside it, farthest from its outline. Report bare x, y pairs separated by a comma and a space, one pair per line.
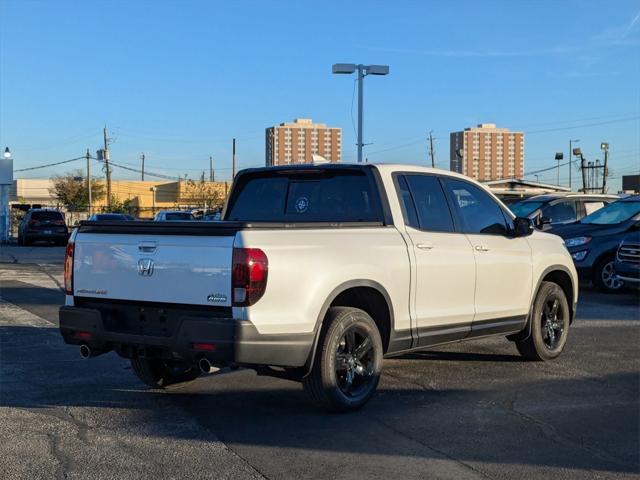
68, 268
59, 222
249, 275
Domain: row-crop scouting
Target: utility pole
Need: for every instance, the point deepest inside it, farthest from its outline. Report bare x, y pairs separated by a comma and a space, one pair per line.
106, 164
142, 157
431, 152
233, 161
88, 156
212, 177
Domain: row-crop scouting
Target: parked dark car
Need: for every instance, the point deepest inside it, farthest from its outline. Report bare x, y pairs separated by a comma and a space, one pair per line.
594, 240
110, 217
627, 264
42, 225
552, 210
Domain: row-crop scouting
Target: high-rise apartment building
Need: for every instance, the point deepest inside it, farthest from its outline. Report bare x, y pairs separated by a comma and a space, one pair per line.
487, 153
299, 141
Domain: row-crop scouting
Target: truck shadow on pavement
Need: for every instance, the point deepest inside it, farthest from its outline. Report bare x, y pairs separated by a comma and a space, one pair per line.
547, 420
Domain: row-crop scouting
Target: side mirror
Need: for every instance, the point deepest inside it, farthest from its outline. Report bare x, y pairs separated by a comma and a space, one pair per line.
522, 226
545, 221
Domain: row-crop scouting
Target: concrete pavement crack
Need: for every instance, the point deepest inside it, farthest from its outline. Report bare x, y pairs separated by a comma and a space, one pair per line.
438, 451
550, 432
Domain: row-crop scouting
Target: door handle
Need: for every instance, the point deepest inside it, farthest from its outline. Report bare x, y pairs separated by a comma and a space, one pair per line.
481, 248
147, 247
424, 246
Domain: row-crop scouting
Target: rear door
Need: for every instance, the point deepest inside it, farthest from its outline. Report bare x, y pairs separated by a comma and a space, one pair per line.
444, 261
194, 270
503, 262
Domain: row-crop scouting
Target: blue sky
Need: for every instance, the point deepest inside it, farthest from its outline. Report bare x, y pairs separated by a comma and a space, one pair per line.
178, 79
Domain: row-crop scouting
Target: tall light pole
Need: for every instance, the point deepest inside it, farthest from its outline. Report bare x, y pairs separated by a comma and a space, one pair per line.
153, 191
6, 180
559, 157
604, 146
363, 70
571, 142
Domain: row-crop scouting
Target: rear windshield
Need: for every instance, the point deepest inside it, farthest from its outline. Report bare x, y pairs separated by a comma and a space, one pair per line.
112, 218
301, 196
42, 216
178, 216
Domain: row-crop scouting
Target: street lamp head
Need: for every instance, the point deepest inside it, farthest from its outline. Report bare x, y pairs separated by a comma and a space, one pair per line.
345, 68
577, 152
559, 155
378, 69
604, 146
7, 153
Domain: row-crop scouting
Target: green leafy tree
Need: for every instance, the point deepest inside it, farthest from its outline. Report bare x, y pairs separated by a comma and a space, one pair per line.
203, 194
71, 190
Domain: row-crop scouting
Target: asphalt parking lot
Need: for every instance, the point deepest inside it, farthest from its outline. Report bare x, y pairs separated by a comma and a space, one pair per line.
470, 410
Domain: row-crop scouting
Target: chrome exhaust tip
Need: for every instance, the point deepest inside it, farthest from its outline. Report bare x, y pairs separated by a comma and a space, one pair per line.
85, 351
204, 365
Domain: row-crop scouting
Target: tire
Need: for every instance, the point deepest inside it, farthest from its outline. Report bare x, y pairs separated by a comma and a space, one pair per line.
348, 361
549, 319
160, 374
20, 240
604, 276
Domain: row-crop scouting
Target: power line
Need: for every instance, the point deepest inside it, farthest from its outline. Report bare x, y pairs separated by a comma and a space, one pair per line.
50, 164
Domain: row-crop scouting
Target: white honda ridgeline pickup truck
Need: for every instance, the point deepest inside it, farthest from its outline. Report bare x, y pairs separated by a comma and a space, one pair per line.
316, 273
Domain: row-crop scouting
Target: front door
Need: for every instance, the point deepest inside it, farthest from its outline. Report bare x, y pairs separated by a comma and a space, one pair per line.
504, 273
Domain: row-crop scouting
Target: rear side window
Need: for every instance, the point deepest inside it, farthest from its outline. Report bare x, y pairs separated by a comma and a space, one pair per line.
430, 203
43, 216
591, 206
301, 196
478, 212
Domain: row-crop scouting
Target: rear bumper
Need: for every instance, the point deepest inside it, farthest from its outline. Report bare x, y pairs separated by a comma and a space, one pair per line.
39, 236
234, 341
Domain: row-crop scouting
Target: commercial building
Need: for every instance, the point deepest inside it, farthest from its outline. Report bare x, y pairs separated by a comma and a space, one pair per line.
487, 153
144, 198
300, 140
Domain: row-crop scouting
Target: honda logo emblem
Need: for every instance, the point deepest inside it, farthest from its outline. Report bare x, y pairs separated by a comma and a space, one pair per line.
145, 267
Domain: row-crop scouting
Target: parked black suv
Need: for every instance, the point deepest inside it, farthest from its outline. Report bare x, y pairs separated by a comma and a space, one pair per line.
594, 240
42, 225
627, 265
552, 210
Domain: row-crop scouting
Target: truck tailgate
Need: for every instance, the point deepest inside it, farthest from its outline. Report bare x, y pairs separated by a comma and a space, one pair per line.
194, 270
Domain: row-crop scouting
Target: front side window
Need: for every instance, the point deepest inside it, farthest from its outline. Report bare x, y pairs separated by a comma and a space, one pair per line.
478, 212
430, 203
561, 212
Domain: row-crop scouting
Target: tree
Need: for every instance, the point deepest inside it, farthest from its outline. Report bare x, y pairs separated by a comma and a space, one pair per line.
117, 206
71, 190
203, 194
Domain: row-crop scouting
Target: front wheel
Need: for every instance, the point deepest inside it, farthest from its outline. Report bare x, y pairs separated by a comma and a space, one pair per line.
348, 361
604, 276
550, 318
158, 373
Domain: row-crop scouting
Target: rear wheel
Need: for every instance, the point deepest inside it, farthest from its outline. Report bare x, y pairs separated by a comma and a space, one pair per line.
348, 361
550, 317
160, 373
604, 276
